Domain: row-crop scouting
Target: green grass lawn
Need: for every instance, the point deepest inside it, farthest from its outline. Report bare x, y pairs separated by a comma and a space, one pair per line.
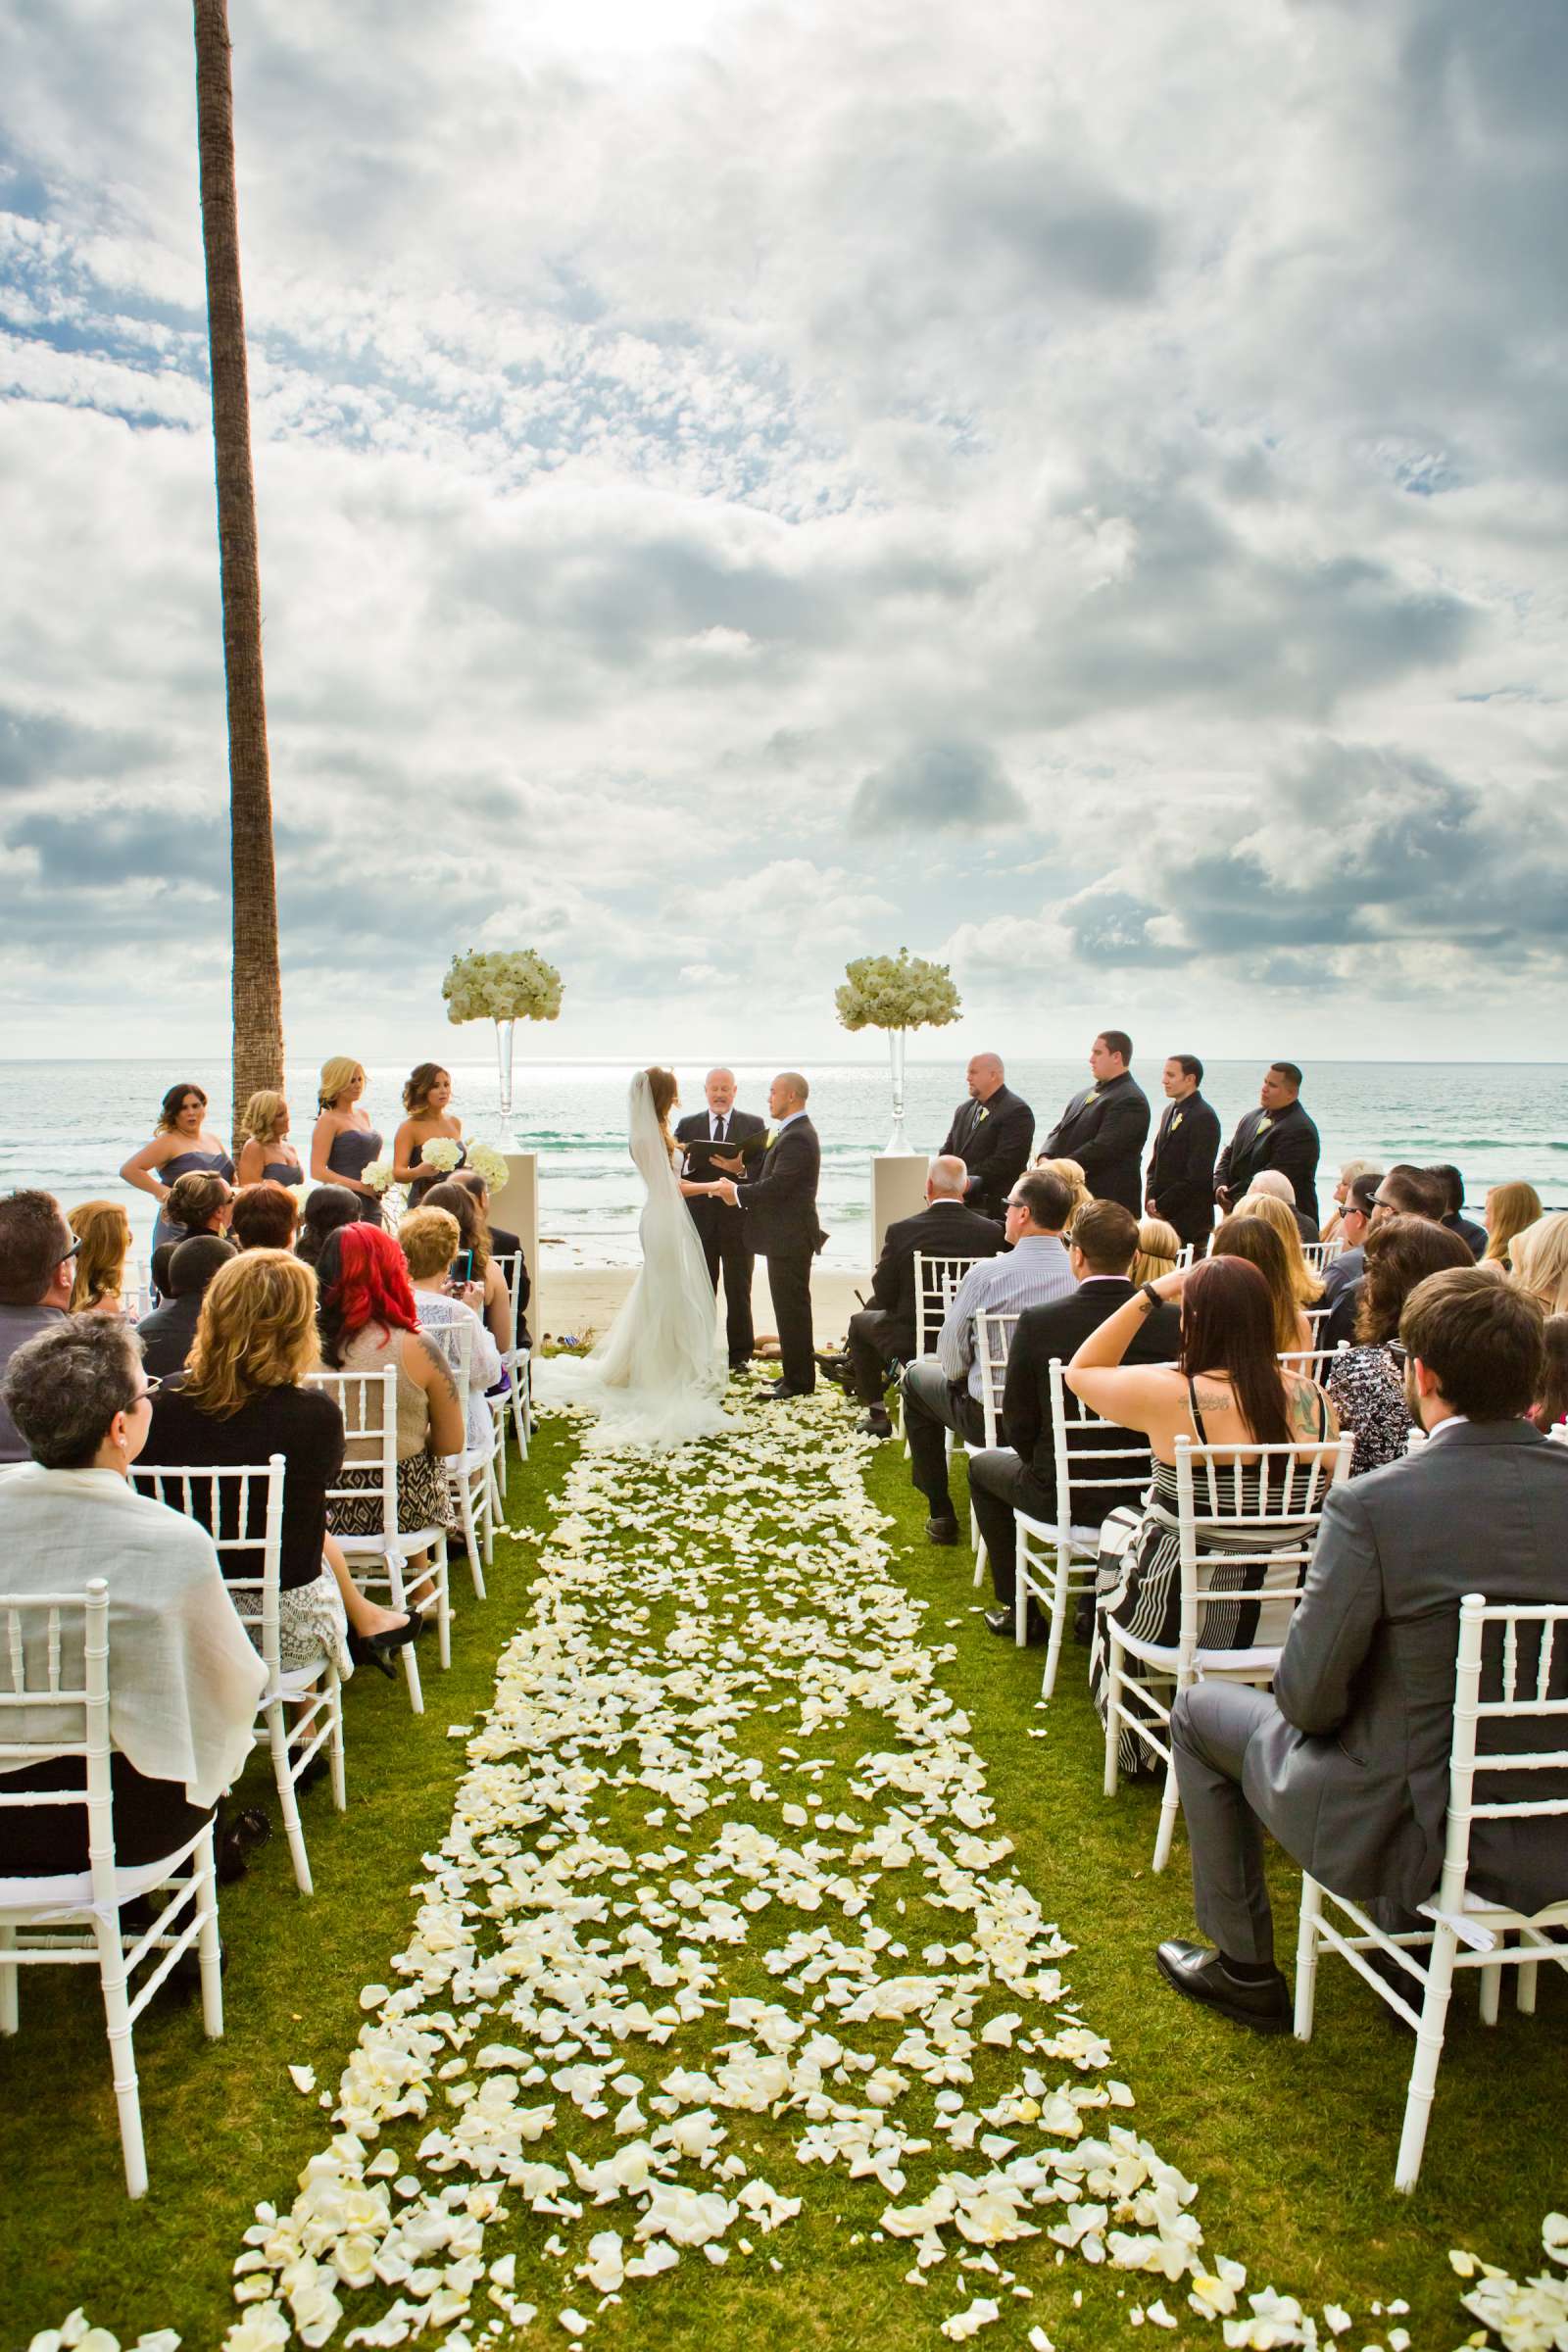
1293, 2148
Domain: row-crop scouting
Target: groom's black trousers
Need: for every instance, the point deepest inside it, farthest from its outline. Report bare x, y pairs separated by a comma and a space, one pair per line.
789, 1279
722, 1233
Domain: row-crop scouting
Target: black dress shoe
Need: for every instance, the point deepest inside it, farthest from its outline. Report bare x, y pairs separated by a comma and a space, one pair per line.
942, 1530
1200, 1974
876, 1424
1004, 1621
782, 1388
379, 1649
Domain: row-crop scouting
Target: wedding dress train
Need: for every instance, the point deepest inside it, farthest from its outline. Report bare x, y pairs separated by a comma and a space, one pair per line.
657, 1377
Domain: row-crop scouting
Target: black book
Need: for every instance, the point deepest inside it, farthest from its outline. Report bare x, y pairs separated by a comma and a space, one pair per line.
702, 1152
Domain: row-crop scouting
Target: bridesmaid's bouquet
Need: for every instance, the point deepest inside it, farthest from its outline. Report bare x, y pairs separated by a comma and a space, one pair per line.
486, 1161
378, 1175
442, 1152
897, 992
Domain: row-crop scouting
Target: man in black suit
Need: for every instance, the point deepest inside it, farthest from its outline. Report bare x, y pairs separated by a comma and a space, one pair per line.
991, 1133
1453, 1217
781, 1225
1277, 1135
720, 1229
1180, 1184
1021, 1476
1103, 1128
886, 1333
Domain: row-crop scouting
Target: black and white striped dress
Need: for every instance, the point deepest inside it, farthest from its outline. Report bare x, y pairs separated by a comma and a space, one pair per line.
1139, 1579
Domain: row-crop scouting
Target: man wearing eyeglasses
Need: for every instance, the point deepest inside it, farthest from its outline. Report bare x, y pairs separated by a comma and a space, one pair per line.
36, 1257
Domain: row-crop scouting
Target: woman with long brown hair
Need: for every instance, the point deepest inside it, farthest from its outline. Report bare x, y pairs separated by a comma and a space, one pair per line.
1509, 1209
1366, 1383
427, 1101
1226, 1388
243, 1399
103, 1234
1257, 1241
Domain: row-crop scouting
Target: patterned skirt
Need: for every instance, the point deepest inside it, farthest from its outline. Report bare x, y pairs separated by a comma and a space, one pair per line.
423, 1499
310, 1624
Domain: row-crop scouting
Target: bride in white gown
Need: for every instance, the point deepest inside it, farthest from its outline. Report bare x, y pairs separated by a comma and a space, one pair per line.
658, 1375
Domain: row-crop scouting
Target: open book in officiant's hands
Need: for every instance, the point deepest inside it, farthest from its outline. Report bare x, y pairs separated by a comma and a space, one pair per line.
705, 1158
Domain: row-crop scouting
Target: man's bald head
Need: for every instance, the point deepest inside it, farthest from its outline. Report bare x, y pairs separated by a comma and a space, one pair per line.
985, 1074
788, 1093
946, 1178
1275, 1183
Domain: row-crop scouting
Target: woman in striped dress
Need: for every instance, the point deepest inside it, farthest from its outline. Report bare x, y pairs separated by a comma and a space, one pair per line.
1227, 1388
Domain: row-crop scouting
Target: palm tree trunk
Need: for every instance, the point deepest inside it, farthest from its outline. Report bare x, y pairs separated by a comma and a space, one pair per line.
258, 1014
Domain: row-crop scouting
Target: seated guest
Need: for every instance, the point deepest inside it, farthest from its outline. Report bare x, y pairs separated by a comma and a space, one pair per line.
944, 1392
243, 1400
368, 1321
266, 1156
1509, 1209
1550, 1408
1021, 1474
1355, 1223
1453, 1217
1366, 1383
1408, 1192
886, 1333
37, 1263
991, 1133
183, 1680
1226, 1388
103, 1236
1346, 1762
501, 1241
1350, 1170
1540, 1262
477, 1261
1104, 1126
1274, 1183
1160, 1245
429, 1240
328, 1208
166, 1335
1263, 1246
265, 1216
1072, 1176
1307, 1286
196, 1203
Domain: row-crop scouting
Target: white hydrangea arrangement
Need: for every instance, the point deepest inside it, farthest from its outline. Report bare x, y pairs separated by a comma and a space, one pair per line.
486, 1161
378, 1175
494, 983
897, 992
441, 1152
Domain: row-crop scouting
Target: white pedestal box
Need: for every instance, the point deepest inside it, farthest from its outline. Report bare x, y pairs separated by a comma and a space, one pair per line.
898, 1190
517, 1206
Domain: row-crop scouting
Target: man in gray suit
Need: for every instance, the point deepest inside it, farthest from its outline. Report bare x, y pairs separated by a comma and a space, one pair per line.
1346, 1763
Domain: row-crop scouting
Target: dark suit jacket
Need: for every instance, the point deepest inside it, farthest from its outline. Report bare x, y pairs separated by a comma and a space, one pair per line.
1180, 1184
1342, 1311
716, 1216
168, 1334
942, 1229
780, 1202
1342, 1271
1286, 1139
994, 1141
1469, 1232
1059, 1330
1103, 1129
1352, 1774
504, 1243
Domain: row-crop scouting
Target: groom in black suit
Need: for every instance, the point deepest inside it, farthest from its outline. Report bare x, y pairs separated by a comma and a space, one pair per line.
720, 1229
781, 1225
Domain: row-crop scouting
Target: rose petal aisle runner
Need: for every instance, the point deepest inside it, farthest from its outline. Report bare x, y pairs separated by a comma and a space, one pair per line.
722, 1971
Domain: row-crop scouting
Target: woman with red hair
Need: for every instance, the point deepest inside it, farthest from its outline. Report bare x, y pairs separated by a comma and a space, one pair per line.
368, 1321
1226, 1388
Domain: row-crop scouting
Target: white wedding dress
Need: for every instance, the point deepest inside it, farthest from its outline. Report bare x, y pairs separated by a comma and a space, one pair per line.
657, 1377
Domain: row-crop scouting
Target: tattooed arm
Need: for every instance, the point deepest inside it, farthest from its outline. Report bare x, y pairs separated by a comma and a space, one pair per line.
428, 1369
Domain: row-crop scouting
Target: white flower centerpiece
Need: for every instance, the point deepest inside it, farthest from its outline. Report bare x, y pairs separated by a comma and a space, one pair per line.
898, 993
505, 986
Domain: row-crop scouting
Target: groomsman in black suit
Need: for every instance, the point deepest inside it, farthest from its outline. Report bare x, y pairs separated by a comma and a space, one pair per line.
885, 1331
720, 1229
1277, 1135
781, 1225
992, 1134
1105, 1128
1180, 1184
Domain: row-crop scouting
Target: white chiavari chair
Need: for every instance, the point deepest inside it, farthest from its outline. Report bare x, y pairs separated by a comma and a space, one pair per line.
470, 1475
936, 1283
993, 1337
516, 1361
1057, 1562
368, 1403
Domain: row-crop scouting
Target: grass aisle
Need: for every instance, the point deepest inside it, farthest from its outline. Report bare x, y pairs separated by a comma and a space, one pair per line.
734, 2002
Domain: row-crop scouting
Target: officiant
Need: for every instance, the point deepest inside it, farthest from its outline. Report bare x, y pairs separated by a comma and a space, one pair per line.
720, 1229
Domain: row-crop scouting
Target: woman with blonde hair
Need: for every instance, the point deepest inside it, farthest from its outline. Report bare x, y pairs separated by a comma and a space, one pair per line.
1160, 1245
343, 1142
242, 1398
1539, 1261
1350, 1170
430, 1240
427, 1100
103, 1234
1509, 1209
1305, 1287
495, 1300
1072, 1176
266, 1156
1262, 1245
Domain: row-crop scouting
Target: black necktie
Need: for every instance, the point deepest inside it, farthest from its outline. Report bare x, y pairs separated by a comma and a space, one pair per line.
719, 1124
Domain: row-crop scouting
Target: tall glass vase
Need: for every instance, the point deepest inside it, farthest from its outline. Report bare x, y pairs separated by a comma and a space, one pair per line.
897, 1141
504, 1040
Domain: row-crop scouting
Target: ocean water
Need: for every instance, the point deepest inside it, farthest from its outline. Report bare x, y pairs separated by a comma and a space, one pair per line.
72, 1124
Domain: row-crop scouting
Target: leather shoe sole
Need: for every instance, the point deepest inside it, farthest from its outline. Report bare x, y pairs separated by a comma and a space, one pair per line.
1200, 1974
942, 1530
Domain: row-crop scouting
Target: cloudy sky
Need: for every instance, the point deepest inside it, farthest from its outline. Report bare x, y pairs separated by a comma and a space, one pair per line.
1077, 487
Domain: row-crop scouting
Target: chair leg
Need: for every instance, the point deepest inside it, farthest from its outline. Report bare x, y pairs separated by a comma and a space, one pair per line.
1170, 1805
1060, 1604
500, 1424
287, 1799
334, 1745
470, 1533
9, 1972
1113, 1705
1525, 1993
208, 1947
411, 1664
441, 1569
1306, 1951
122, 2049
491, 1498
1491, 1993
1428, 2051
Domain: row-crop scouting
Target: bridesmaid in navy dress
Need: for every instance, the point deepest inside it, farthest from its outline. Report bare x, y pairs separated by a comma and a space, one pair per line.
343, 1143
184, 1144
266, 1157
425, 1098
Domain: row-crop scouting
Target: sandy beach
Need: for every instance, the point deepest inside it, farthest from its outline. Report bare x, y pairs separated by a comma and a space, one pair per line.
577, 1300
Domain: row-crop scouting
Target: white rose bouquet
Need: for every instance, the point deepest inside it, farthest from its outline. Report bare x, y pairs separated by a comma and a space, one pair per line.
440, 1153
897, 992
501, 985
486, 1161
378, 1175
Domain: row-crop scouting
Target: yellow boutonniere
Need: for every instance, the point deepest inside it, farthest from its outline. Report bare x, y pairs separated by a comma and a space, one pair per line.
984, 1116
770, 1139
1176, 1122
1092, 1096
1265, 1121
